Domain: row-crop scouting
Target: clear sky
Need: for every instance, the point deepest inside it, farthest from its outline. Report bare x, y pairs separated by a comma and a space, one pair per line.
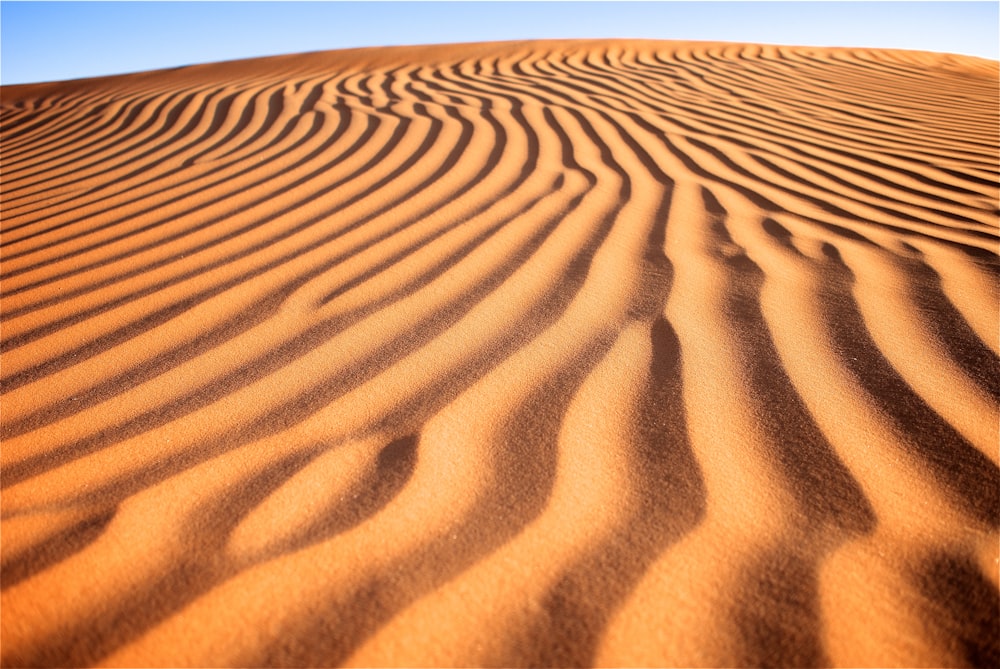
49, 41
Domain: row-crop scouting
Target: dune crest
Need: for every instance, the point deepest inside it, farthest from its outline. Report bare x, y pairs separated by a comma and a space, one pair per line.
567, 353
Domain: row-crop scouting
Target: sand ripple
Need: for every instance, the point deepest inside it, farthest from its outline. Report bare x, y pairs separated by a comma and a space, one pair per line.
543, 353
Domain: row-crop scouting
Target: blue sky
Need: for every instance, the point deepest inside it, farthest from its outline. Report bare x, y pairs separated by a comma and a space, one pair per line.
48, 41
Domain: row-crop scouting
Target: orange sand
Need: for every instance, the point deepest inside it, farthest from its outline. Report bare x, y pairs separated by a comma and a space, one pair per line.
542, 353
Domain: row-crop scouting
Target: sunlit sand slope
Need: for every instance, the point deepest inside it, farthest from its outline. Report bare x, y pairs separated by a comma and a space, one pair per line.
545, 353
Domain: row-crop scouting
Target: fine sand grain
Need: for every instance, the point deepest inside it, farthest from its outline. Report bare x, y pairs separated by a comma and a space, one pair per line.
534, 353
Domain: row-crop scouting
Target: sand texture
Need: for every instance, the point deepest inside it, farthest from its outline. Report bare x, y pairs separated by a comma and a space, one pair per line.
532, 353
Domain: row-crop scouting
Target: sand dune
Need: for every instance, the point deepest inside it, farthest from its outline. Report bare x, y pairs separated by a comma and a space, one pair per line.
542, 353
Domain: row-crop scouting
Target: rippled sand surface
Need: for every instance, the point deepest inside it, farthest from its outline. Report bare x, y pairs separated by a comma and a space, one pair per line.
540, 353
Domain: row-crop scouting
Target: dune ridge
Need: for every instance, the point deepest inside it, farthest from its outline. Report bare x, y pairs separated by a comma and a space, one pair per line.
556, 353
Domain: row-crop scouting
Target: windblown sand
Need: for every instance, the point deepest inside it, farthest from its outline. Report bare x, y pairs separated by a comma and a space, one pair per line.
541, 353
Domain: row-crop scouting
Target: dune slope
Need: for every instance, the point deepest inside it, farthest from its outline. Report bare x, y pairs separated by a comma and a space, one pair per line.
543, 353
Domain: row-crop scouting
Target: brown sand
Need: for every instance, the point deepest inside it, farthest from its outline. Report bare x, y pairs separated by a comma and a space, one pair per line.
545, 353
